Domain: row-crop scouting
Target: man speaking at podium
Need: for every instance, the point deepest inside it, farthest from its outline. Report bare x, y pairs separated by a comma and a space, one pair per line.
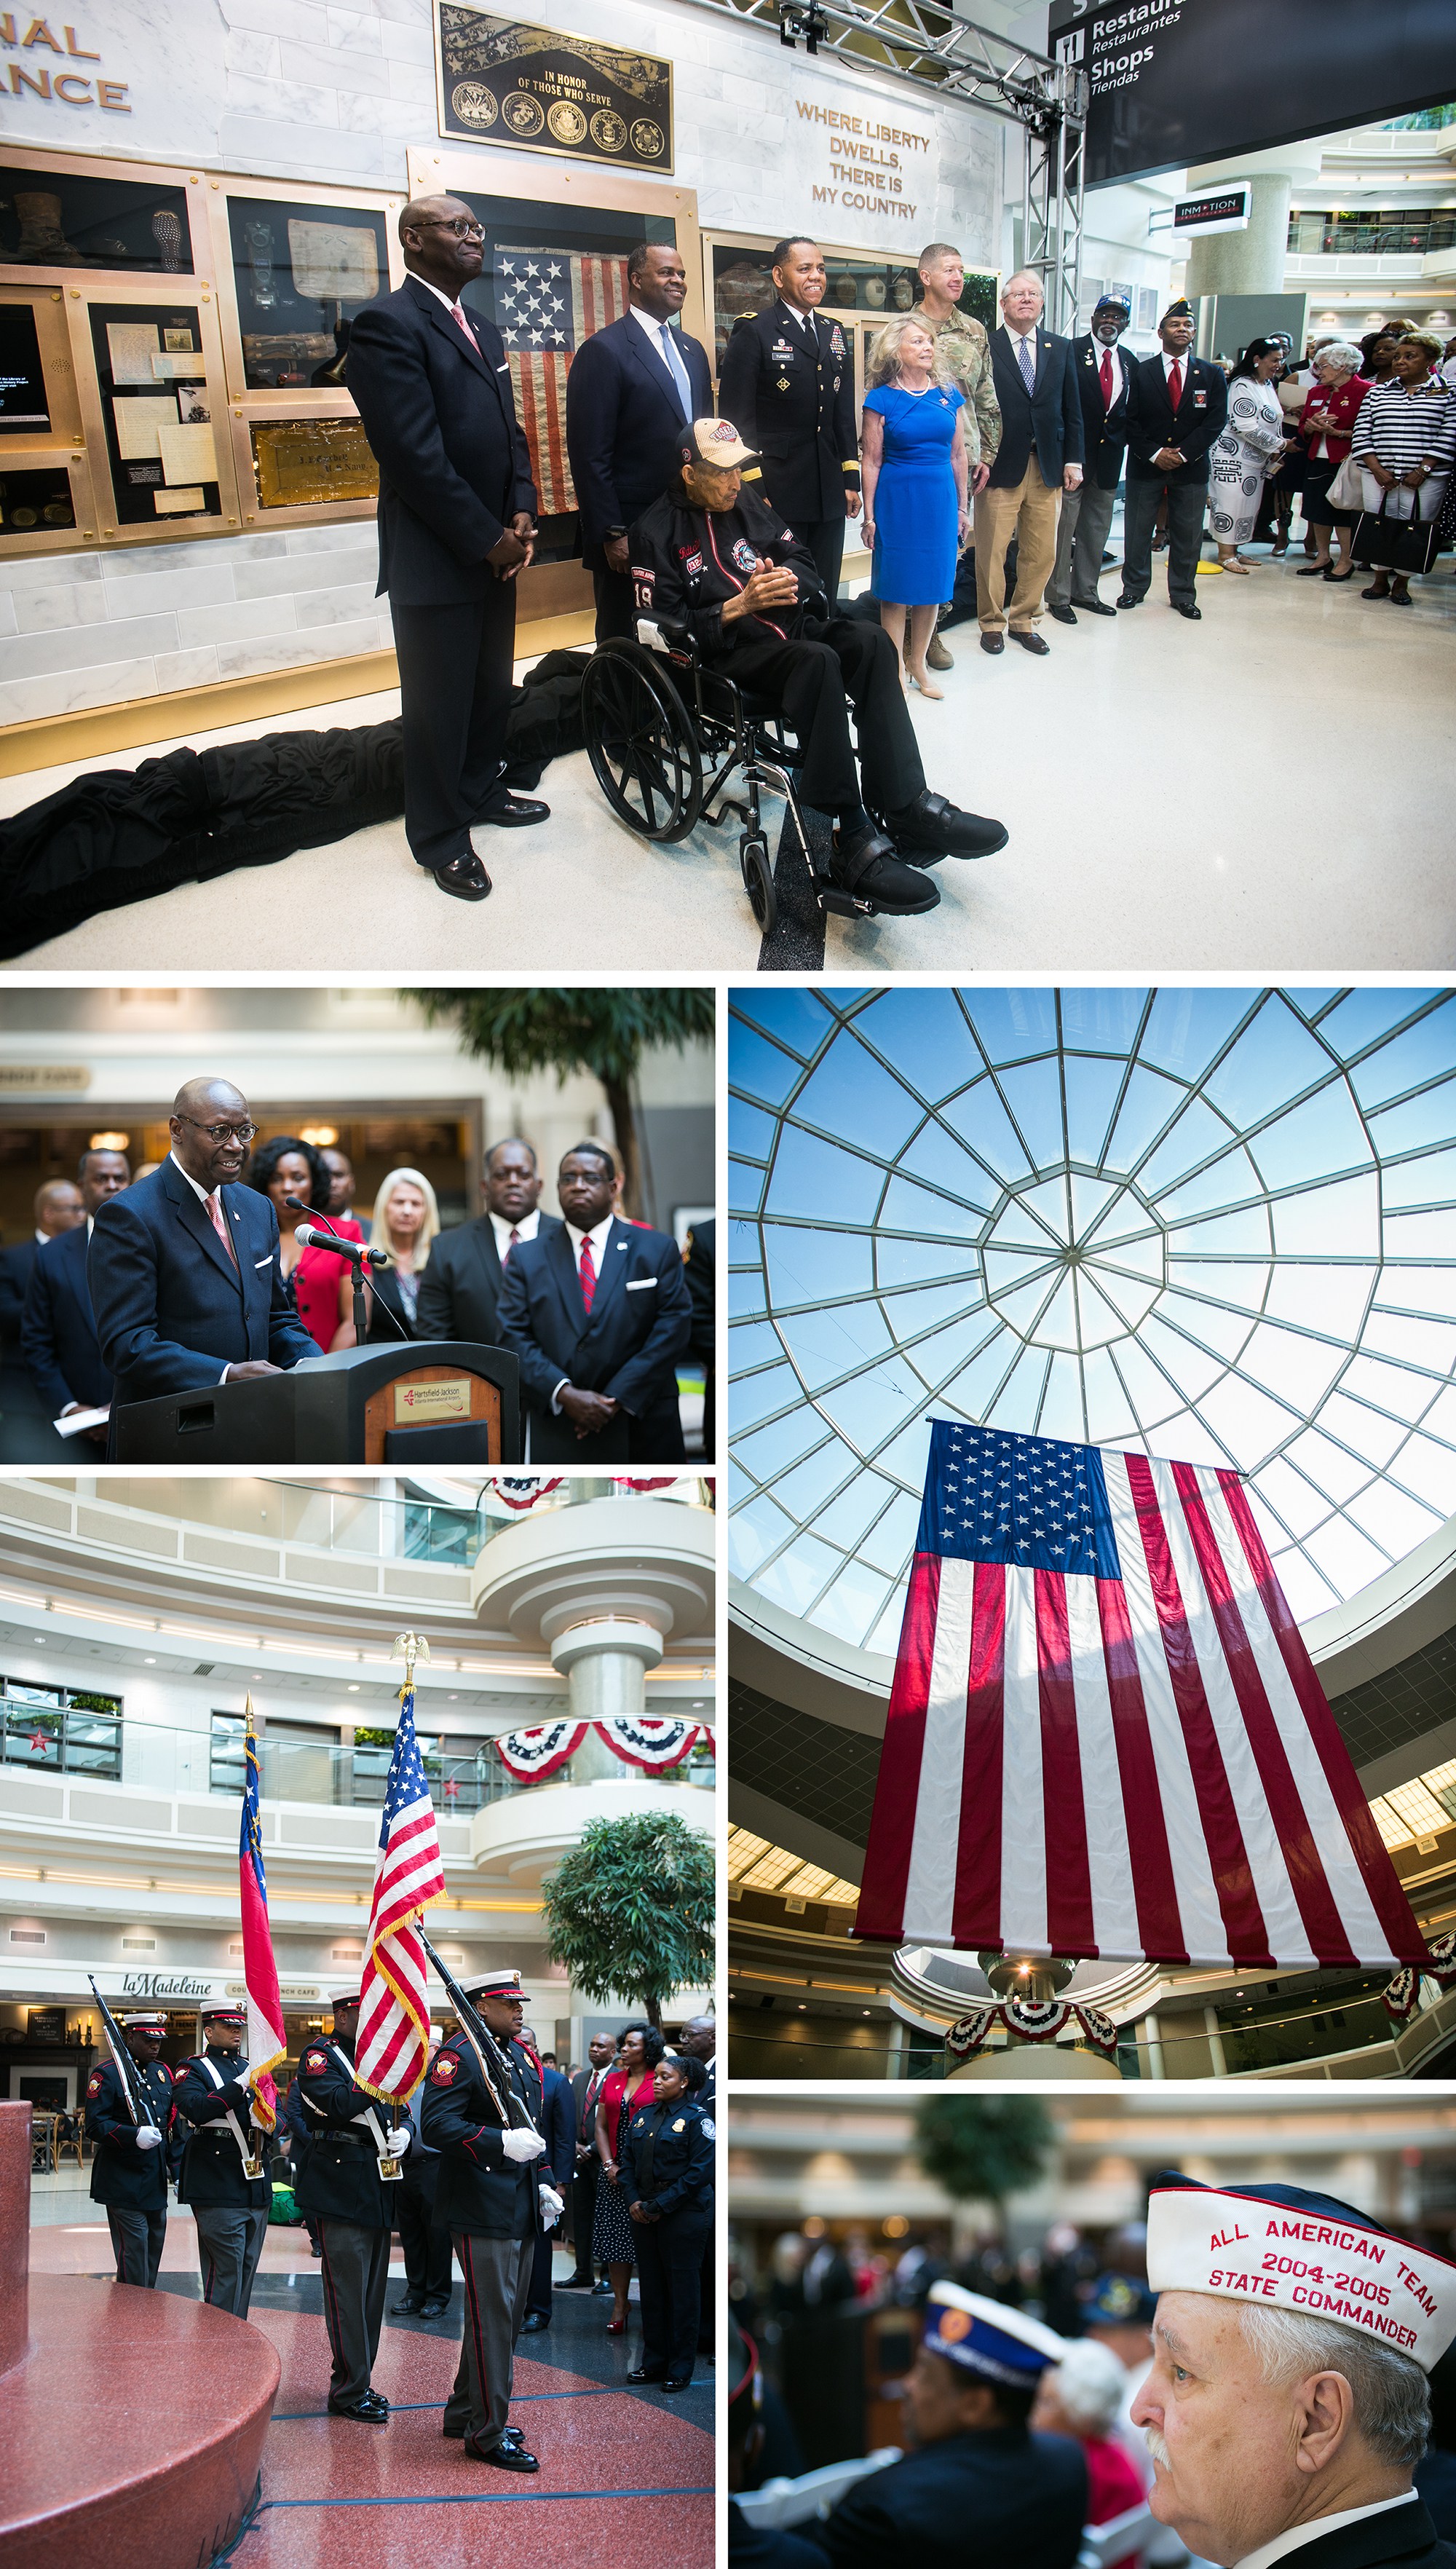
184, 1269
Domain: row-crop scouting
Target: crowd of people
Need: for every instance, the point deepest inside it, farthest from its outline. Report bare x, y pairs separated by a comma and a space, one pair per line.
130, 1286
615, 2156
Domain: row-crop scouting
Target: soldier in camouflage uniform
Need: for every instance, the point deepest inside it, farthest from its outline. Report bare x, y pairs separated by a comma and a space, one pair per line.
966, 348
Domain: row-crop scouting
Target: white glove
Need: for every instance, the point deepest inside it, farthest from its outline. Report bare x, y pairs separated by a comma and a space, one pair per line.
399, 2141
553, 2205
148, 2137
522, 2144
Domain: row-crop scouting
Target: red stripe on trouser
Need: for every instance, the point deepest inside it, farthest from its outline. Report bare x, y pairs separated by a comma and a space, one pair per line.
1159, 1927
977, 1916
465, 2244
893, 1822
1228, 1857
1069, 1927
1386, 1897
1318, 1907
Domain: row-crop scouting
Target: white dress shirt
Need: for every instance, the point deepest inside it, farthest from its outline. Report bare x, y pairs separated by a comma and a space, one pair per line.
599, 1240
1282, 2543
1185, 361
526, 1229
804, 319
449, 300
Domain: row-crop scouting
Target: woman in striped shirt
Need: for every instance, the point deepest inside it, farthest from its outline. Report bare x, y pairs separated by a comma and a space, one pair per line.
1404, 444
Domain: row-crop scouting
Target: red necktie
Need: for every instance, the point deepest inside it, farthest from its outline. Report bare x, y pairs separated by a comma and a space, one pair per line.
1107, 378
510, 1245
587, 1273
459, 311
214, 1216
1175, 383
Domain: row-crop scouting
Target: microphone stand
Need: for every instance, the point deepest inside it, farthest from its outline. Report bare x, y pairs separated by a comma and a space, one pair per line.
358, 1254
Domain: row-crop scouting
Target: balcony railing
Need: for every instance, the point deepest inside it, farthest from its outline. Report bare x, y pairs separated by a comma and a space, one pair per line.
403, 1527
1311, 236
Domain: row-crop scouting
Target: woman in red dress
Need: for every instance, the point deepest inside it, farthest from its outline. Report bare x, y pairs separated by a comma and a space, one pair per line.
322, 1283
627, 2084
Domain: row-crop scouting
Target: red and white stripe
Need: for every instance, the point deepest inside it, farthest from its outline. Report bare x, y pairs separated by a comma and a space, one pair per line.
538, 382
1139, 1767
598, 293
394, 2016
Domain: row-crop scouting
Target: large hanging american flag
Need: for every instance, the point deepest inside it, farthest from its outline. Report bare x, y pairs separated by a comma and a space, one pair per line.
1106, 1735
266, 2040
546, 304
392, 2044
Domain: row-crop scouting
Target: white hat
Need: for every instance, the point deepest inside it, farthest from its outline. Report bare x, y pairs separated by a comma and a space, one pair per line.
989, 2337
1295, 2251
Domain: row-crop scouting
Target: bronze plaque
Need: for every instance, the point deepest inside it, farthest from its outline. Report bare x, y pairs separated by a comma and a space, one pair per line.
417, 1402
535, 88
310, 463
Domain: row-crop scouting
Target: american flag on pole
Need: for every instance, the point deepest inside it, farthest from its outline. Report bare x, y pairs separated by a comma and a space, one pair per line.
266, 2041
392, 2043
548, 302
1106, 1735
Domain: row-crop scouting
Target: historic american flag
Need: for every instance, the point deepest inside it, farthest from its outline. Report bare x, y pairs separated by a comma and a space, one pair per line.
546, 304
1106, 1735
392, 2045
267, 2040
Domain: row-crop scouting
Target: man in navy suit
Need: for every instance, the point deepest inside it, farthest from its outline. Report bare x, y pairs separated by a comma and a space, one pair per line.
26, 1433
558, 2128
1104, 377
457, 518
1039, 457
185, 1280
57, 1327
632, 388
597, 1316
1176, 409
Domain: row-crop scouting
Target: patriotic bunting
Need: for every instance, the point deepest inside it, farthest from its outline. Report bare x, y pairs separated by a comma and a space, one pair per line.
532, 1754
650, 1743
521, 1495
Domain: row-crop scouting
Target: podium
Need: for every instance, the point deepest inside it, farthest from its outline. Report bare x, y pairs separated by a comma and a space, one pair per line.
437, 1400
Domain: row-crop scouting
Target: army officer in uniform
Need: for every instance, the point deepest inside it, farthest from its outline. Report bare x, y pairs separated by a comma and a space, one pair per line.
490, 2198
669, 2190
351, 2135
229, 2207
128, 2173
788, 384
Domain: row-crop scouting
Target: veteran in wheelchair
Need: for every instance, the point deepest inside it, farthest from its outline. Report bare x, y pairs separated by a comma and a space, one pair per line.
732, 600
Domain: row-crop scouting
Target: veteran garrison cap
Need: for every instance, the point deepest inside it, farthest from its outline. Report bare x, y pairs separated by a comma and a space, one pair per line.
988, 2338
1120, 2302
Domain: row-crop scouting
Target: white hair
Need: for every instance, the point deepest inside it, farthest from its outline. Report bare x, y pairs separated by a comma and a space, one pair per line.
1090, 2385
1016, 274
1338, 352
1392, 2399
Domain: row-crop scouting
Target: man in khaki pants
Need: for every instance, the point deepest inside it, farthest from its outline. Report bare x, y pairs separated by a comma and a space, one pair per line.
1040, 456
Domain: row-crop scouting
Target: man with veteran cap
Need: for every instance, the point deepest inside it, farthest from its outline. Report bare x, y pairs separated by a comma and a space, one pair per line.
226, 2143
348, 2182
1104, 375
1287, 2404
492, 2198
981, 2489
130, 2171
712, 556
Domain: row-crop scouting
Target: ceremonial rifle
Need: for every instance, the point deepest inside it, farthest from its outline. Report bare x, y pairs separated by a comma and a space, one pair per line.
492, 2061
137, 2100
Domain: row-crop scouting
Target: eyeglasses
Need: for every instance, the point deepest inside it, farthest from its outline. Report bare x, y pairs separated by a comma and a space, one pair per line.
461, 230
222, 1132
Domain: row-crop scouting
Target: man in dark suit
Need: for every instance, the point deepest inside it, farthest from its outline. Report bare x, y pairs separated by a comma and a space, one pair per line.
185, 1280
698, 1262
787, 385
597, 1316
457, 512
585, 2094
26, 1433
1104, 376
57, 1327
557, 2129
632, 390
1176, 409
1039, 457
461, 1285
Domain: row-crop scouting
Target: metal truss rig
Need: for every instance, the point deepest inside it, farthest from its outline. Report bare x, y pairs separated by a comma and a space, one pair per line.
917, 42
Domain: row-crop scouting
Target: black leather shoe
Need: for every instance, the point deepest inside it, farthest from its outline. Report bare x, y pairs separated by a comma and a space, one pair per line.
465, 877
993, 641
637, 2374
1095, 606
1031, 643
533, 2321
504, 2457
602, 2290
581, 2284
678, 2382
410, 2308
512, 812
865, 869
1127, 600
1195, 615
1063, 615
932, 828
371, 2411
434, 2309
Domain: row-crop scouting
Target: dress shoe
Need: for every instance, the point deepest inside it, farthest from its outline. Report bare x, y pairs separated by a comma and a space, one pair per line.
639, 2373
510, 812
371, 2411
678, 2382
1096, 606
1195, 615
1313, 570
937, 656
410, 2308
504, 2457
1063, 615
601, 2291
533, 2321
931, 827
1030, 642
993, 642
436, 2308
581, 2284
1127, 598
465, 877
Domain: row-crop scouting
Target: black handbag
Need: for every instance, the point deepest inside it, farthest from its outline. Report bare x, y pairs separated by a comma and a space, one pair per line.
1413, 548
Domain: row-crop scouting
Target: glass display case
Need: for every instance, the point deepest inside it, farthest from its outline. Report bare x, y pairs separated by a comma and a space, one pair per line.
864, 290
88, 216
300, 272
157, 411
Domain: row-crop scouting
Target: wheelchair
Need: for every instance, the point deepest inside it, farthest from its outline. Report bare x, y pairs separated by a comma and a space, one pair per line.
664, 734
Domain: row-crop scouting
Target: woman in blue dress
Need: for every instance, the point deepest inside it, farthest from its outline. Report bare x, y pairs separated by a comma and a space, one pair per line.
914, 473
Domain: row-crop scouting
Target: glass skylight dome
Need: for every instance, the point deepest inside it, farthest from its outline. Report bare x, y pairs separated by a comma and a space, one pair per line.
1218, 1226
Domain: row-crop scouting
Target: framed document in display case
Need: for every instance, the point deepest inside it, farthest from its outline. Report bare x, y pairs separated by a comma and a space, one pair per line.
157, 413
311, 463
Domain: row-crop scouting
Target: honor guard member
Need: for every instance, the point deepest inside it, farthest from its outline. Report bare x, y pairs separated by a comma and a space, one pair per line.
788, 381
491, 2199
1288, 2403
670, 2188
979, 2481
355, 2152
224, 2170
128, 2173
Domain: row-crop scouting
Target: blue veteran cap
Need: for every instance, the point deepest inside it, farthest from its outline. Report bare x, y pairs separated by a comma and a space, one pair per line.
1118, 2301
1112, 303
988, 2337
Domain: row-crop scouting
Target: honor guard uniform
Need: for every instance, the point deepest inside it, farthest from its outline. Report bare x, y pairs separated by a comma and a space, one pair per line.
130, 2171
225, 2171
788, 384
355, 2152
491, 2197
669, 2157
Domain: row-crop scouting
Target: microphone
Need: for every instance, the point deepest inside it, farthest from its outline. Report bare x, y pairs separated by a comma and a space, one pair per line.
358, 1250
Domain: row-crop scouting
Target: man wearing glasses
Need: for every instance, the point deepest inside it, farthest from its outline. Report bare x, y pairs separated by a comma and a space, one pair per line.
456, 523
183, 1266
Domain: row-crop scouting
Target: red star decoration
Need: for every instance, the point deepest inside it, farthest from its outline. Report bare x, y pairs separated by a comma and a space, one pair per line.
41, 1739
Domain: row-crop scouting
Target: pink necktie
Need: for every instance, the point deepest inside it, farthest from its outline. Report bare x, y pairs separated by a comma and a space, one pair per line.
1107, 379
214, 1216
587, 1275
1175, 383
459, 311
